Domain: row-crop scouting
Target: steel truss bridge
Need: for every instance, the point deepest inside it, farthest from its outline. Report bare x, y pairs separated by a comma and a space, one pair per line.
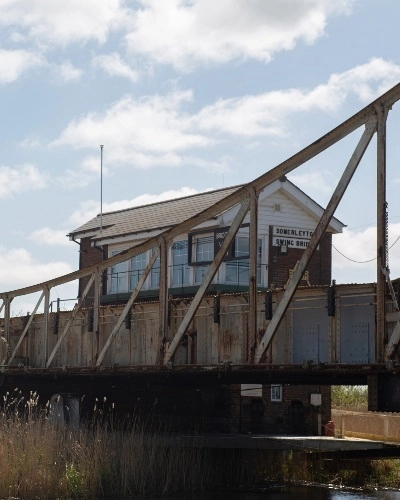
246, 337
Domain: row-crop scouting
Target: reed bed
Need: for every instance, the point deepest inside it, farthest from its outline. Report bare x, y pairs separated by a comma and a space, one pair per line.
40, 459
350, 397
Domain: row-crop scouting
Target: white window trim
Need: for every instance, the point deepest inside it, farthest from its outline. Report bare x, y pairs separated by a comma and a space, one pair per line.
277, 398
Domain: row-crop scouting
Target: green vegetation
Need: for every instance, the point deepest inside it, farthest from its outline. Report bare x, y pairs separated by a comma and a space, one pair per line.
39, 459
350, 397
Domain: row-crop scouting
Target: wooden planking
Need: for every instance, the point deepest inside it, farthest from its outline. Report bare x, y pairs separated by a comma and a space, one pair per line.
206, 343
290, 214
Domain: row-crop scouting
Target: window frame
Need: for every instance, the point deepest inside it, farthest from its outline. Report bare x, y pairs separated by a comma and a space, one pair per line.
182, 266
276, 398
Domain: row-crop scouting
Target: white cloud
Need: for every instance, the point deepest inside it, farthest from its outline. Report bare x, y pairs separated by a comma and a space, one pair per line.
184, 34
158, 130
19, 268
269, 114
113, 65
68, 72
62, 23
358, 253
47, 236
30, 142
144, 133
26, 303
19, 179
320, 182
89, 209
13, 63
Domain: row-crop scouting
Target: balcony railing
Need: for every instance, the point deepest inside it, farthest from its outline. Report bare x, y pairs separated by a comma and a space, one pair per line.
180, 276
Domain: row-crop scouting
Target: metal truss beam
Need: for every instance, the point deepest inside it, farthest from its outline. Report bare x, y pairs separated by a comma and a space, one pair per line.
381, 228
207, 280
316, 237
71, 319
128, 305
25, 329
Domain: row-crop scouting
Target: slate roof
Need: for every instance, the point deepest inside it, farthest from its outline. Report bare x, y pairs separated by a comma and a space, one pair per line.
160, 215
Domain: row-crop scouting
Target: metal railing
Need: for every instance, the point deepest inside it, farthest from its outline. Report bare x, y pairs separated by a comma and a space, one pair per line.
181, 276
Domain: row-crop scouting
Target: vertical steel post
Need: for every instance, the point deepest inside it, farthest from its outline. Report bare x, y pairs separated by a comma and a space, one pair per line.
163, 298
253, 267
7, 303
46, 311
381, 261
96, 316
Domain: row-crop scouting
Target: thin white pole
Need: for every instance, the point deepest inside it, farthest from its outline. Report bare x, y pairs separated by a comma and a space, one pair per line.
101, 188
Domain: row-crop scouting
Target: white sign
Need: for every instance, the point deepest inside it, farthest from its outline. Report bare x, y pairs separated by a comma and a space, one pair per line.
251, 390
292, 237
292, 232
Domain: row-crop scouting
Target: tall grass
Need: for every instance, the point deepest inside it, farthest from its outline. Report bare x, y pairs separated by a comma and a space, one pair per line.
39, 459
350, 397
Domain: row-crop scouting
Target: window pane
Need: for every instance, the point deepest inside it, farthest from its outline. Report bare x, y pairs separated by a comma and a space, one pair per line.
118, 277
204, 249
180, 270
242, 246
204, 253
138, 265
237, 271
201, 271
155, 273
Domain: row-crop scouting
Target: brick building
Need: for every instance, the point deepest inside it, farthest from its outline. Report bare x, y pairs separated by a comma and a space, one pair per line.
287, 218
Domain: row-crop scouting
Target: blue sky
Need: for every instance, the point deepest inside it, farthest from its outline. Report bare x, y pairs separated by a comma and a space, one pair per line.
185, 95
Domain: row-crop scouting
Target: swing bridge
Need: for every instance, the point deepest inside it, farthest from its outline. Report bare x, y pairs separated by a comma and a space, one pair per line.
333, 334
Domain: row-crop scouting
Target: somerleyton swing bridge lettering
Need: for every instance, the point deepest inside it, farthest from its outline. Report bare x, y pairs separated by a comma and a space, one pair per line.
301, 237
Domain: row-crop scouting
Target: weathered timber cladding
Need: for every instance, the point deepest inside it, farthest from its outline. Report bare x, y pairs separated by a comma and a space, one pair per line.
206, 342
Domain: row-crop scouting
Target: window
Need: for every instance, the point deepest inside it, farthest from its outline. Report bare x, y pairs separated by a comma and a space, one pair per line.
180, 269
138, 265
237, 271
155, 272
118, 276
276, 393
204, 255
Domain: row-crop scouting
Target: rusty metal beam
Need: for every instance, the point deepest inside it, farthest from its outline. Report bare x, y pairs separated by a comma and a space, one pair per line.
96, 316
320, 145
381, 226
71, 319
25, 329
163, 297
7, 317
207, 280
316, 237
253, 273
96, 302
128, 305
46, 313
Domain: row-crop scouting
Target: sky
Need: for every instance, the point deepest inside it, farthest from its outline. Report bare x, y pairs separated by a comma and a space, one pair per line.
185, 96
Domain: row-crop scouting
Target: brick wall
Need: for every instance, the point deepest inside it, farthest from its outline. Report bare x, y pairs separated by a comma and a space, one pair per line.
89, 256
293, 415
320, 267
